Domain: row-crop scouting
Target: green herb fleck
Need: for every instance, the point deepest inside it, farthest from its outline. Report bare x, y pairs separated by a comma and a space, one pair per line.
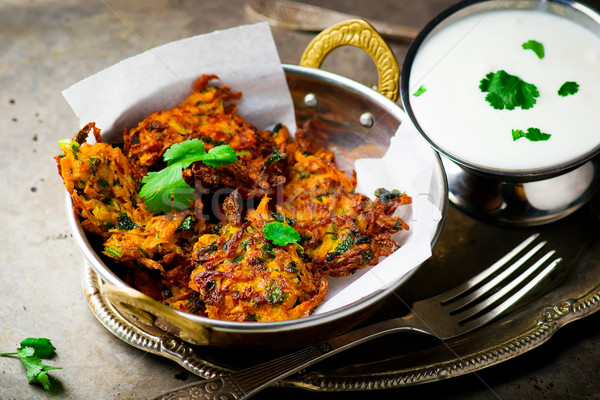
276, 129
385, 195
274, 294
340, 249
187, 223
209, 249
125, 223
292, 267
302, 174
209, 140
251, 317
68, 144
533, 134
568, 88
362, 240
144, 252
277, 216
274, 157
268, 248
344, 245
367, 255
113, 252
506, 91
536, 47
331, 256
420, 91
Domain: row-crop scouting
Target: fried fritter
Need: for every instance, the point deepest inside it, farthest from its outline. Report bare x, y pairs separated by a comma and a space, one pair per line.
242, 276
342, 230
205, 115
102, 184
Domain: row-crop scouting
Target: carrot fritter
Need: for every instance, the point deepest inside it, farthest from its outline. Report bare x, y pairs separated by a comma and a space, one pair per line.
242, 276
343, 230
205, 115
101, 183
214, 258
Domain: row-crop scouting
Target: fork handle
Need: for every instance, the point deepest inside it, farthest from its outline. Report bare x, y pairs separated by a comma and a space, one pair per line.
247, 382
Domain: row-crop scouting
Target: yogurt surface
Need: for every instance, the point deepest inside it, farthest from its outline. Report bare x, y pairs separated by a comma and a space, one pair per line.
453, 112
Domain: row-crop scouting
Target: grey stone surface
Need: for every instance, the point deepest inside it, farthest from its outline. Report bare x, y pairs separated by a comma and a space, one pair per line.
46, 46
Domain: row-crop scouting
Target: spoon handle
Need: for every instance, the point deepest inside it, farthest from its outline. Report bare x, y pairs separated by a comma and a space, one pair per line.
306, 17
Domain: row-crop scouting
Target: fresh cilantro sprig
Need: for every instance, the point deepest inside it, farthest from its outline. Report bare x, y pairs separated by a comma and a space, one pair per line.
280, 234
167, 187
536, 47
568, 88
506, 91
533, 134
31, 352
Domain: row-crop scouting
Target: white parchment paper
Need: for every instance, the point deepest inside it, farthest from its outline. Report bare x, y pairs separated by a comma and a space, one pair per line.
246, 59
408, 167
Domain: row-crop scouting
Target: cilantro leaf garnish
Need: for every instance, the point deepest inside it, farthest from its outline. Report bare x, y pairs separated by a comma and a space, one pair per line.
280, 234
167, 188
185, 153
533, 134
568, 88
220, 155
536, 47
506, 91
420, 91
30, 353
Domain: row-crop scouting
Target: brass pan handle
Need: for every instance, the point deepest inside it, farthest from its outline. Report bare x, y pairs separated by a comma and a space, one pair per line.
358, 33
153, 317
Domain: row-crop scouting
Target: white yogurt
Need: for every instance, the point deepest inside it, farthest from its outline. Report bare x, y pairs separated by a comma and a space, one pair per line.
453, 111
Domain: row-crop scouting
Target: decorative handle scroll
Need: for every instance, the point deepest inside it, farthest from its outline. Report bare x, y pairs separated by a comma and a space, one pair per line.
359, 33
153, 317
556, 312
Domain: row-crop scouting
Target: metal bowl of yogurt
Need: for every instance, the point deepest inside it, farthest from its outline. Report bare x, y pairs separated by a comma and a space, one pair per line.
507, 92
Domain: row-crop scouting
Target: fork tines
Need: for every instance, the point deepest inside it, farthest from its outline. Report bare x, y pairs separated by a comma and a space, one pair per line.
502, 284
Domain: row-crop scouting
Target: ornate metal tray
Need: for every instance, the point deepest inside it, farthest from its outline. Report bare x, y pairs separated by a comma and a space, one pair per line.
465, 247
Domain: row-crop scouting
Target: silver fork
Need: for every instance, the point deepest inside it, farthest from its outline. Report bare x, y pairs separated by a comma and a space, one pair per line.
450, 314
